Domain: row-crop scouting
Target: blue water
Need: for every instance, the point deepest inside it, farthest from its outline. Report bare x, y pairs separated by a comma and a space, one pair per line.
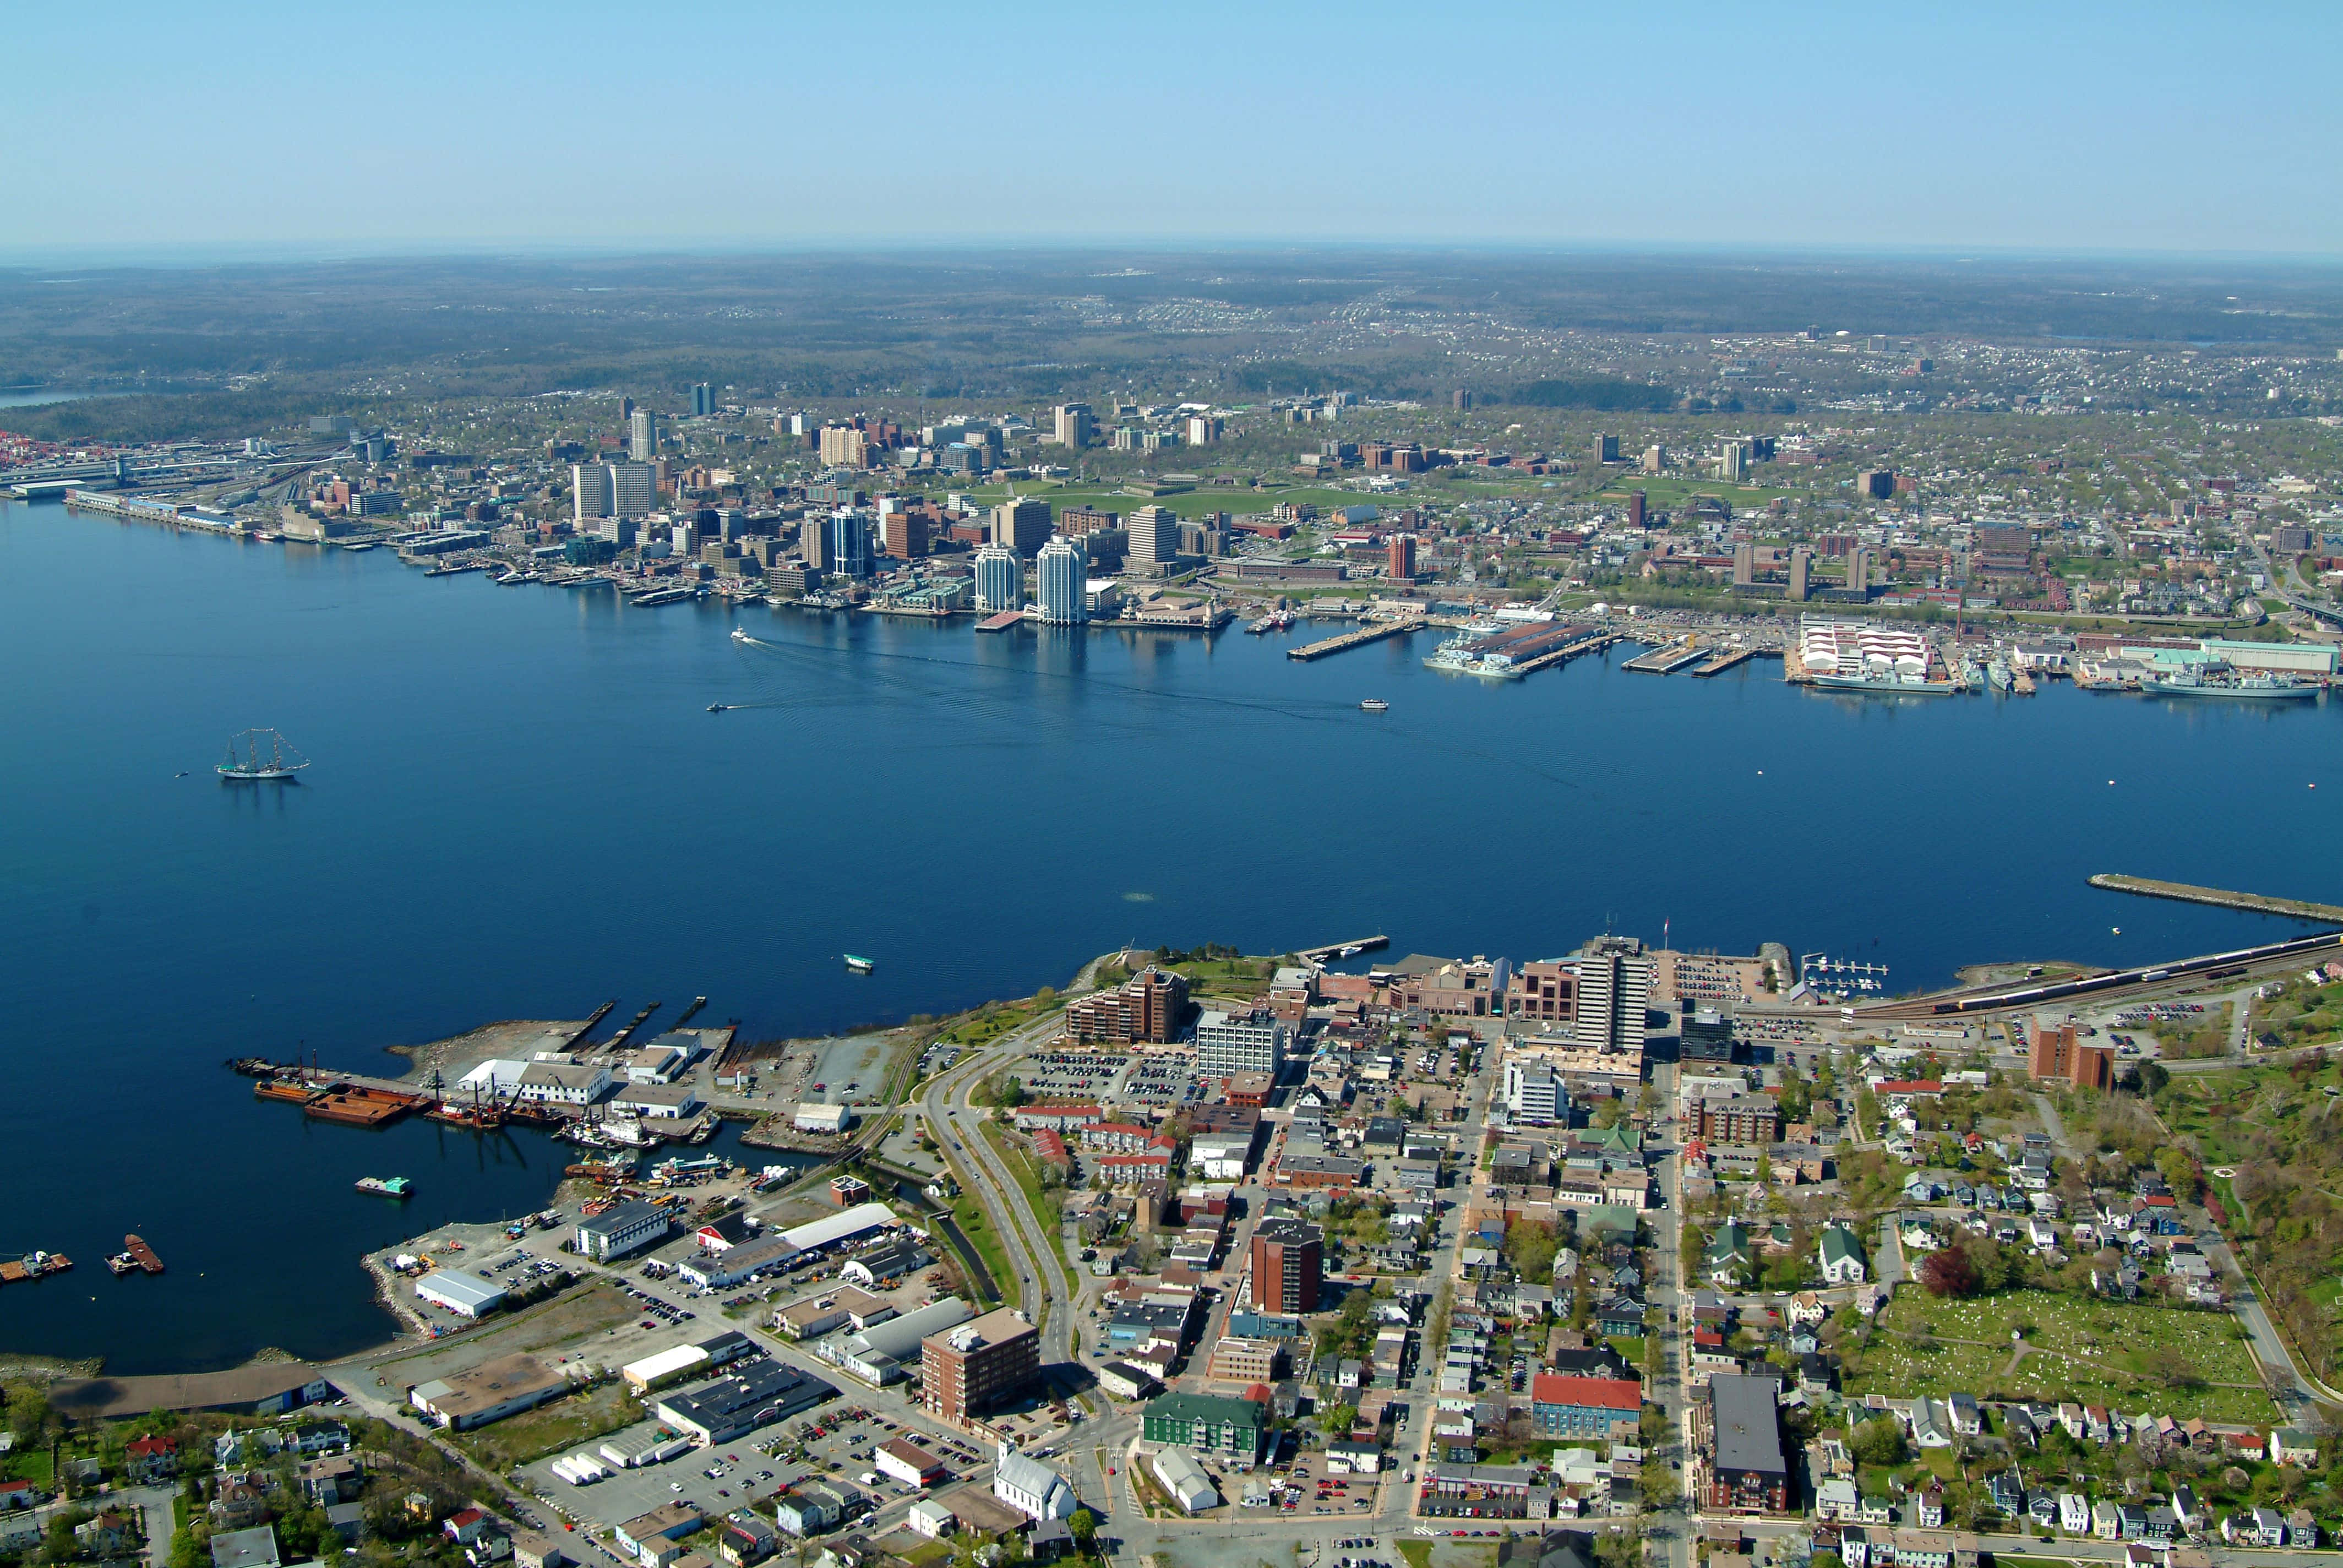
520, 808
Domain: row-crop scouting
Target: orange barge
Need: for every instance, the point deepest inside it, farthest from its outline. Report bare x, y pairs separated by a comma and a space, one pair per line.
354, 1105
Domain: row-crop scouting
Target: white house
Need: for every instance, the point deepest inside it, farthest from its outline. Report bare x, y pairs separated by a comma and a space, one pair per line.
931, 1519
1030, 1487
1184, 1480
2074, 1513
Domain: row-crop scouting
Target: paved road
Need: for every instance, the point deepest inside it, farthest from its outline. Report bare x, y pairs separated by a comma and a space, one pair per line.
1669, 1388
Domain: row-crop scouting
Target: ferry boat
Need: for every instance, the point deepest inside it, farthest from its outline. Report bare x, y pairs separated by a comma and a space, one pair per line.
859, 964
388, 1186
2259, 688
1375, 705
265, 756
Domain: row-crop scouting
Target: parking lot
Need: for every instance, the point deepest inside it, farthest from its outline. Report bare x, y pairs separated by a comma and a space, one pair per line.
836, 1442
1072, 1075
1163, 1081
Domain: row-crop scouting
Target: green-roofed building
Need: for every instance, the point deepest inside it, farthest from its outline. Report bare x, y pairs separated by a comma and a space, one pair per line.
1208, 1422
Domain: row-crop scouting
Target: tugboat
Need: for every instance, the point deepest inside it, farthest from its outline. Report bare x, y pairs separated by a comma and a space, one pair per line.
388, 1186
135, 1255
859, 964
264, 755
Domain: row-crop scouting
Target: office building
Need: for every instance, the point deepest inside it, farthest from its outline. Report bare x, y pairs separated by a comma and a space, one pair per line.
847, 550
813, 541
1401, 566
967, 1369
643, 442
1081, 522
1802, 566
1062, 581
1228, 1043
1706, 1035
625, 1228
1606, 448
634, 490
1614, 988
1000, 580
1532, 1092
905, 533
1154, 538
1288, 1256
703, 399
1023, 525
1072, 425
1875, 484
589, 487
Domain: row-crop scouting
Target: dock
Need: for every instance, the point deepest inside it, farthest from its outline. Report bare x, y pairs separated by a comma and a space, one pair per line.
1723, 660
1351, 640
589, 1026
619, 1040
1333, 951
1001, 622
1568, 651
1665, 660
2220, 898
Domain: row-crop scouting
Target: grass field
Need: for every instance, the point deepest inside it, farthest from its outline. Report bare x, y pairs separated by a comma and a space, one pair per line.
1029, 1182
2129, 1356
1660, 491
974, 1224
564, 1423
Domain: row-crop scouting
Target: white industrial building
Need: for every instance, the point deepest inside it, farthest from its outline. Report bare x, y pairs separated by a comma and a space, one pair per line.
465, 1294
1184, 1480
876, 1355
824, 1117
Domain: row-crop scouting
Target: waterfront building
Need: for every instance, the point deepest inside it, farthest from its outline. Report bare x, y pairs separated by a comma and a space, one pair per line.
1149, 1007
1022, 525
1154, 537
2057, 1055
621, 1229
1802, 564
1614, 988
848, 551
1230, 1043
1061, 581
1000, 580
1288, 1263
1401, 566
967, 1369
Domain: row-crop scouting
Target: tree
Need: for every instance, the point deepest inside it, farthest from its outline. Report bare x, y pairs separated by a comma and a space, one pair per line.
1085, 1524
1878, 1442
2153, 1078
1949, 1272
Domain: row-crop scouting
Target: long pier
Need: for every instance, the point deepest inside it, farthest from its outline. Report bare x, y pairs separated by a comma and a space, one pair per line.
1334, 950
589, 1026
2221, 897
1725, 660
1351, 640
1568, 651
1665, 660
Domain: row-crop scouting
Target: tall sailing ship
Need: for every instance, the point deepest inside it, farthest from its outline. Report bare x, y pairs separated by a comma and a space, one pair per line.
260, 754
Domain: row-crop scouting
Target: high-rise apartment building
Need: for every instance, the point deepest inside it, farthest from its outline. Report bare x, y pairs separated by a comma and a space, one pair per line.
1149, 1007
1802, 565
643, 445
2060, 1055
1636, 503
1288, 1260
905, 533
1606, 448
1655, 459
1000, 580
1744, 562
1154, 537
1203, 429
844, 447
1858, 569
1072, 425
1023, 525
1614, 988
968, 1370
1403, 558
703, 398
1062, 581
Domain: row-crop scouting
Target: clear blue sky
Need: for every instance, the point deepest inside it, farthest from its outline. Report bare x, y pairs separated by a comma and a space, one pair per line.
2043, 126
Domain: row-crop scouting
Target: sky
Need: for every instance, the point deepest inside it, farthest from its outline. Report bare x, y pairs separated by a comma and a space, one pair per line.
198, 131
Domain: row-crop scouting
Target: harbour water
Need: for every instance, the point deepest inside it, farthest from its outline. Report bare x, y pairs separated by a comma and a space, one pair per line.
520, 807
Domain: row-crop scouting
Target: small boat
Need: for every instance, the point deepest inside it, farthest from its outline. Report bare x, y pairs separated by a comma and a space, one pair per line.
1375, 705
135, 1255
859, 964
388, 1186
716, 706
741, 634
265, 756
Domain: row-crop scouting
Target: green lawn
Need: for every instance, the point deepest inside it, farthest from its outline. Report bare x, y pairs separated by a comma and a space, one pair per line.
970, 1216
1045, 1212
2126, 1355
564, 1423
